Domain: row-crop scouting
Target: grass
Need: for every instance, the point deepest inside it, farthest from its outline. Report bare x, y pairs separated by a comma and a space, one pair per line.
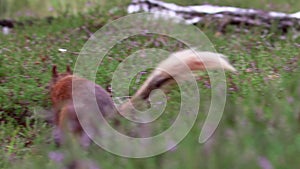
260, 124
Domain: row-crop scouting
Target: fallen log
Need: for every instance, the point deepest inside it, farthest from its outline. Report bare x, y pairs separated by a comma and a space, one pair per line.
221, 15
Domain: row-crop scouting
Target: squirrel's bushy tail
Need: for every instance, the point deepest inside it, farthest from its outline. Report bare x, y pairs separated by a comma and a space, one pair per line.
175, 67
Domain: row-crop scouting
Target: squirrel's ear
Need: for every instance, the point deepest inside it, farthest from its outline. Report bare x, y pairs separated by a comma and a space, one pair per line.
68, 69
54, 72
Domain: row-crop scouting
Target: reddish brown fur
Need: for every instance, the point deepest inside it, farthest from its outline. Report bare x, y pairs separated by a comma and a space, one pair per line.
65, 117
60, 92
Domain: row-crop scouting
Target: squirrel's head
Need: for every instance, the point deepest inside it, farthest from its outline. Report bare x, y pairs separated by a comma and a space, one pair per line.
56, 76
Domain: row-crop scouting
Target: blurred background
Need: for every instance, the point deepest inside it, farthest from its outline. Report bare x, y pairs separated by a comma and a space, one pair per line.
40, 8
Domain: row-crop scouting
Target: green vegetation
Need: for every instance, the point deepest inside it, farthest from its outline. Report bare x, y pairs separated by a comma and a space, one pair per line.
260, 124
39, 8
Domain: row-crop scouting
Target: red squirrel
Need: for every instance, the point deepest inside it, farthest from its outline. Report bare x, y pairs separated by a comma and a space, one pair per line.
65, 117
